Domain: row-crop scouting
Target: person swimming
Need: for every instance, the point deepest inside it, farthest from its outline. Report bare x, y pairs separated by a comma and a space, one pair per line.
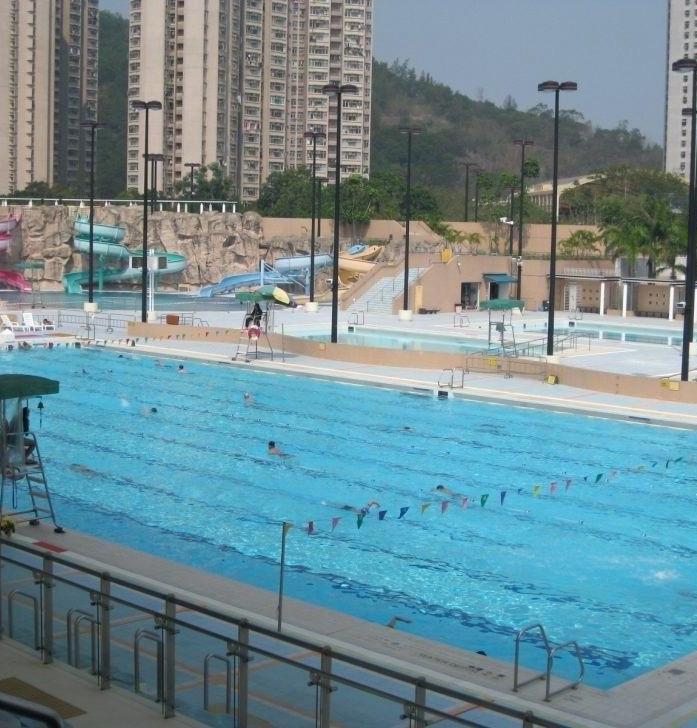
181, 370
364, 510
83, 470
248, 398
273, 449
443, 490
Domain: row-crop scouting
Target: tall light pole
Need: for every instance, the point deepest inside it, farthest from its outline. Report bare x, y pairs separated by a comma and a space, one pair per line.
410, 131
511, 222
522, 143
92, 126
154, 159
146, 106
476, 194
314, 135
337, 89
468, 166
556, 88
192, 166
686, 65
319, 207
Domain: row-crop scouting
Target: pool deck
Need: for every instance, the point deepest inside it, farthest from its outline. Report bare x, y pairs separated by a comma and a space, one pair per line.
662, 698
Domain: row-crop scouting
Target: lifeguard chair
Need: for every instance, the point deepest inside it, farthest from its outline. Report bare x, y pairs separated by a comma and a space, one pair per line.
24, 494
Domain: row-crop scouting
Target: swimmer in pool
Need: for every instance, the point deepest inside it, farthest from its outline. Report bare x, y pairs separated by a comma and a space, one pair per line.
273, 449
83, 470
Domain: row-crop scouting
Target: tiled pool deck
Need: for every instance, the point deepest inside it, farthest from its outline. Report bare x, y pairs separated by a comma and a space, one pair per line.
664, 697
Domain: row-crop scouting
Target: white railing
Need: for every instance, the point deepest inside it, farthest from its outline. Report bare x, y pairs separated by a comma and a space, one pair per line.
194, 206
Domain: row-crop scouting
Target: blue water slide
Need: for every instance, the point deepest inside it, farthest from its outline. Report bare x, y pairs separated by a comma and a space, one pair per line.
288, 266
230, 283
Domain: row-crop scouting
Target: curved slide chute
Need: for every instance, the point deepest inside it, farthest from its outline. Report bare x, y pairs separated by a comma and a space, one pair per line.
282, 267
106, 243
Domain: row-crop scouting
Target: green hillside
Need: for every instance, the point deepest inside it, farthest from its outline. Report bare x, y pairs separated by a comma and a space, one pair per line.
457, 129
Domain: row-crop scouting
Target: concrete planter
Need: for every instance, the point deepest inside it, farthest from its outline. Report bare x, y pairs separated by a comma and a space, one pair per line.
312, 306
405, 314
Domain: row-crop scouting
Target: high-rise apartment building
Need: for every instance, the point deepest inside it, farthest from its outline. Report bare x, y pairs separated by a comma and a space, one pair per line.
241, 82
682, 43
49, 86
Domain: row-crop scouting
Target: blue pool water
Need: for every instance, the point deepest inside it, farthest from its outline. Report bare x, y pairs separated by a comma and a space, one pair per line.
408, 341
612, 564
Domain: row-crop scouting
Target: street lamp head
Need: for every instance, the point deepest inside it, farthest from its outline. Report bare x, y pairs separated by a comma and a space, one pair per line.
684, 65
155, 157
409, 130
140, 105
523, 142
334, 88
556, 86
92, 125
315, 135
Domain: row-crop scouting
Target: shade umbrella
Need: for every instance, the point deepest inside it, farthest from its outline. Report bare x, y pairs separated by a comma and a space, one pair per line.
273, 293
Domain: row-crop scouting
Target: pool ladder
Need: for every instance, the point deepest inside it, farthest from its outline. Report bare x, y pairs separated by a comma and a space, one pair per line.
551, 651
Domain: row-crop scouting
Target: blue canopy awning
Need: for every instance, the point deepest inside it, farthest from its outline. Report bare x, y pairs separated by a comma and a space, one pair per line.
499, 278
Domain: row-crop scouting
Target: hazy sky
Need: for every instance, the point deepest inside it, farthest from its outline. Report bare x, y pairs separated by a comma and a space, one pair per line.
614, 49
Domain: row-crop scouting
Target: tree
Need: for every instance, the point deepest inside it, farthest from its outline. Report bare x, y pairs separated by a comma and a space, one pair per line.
210, 183
580, 243
287, 194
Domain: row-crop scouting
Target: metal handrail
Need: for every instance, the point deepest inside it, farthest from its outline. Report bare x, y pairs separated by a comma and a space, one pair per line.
167, 619
550, 661
228, 680
461, 370
35, 609
444, 380
516, 665
459, 320
73, 637
360, 318
148, 635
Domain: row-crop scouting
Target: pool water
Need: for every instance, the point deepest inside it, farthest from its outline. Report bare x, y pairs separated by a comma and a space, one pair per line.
407, 341
612, 564
635, 335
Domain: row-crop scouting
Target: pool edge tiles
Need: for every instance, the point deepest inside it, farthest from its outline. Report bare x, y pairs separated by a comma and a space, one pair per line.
641, 701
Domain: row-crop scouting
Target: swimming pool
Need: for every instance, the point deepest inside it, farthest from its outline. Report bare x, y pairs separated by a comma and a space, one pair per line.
408, 341
612, 564
633, 334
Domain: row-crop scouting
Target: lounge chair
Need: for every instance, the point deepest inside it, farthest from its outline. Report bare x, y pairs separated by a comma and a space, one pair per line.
32, 325
7, 322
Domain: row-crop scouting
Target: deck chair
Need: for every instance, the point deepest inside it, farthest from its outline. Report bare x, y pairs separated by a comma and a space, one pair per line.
33, 325
9, 323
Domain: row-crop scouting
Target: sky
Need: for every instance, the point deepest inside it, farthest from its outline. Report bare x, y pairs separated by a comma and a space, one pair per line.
614, 49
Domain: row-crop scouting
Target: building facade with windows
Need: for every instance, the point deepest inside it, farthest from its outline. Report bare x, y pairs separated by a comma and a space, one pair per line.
49, 85
681, 43
241, 82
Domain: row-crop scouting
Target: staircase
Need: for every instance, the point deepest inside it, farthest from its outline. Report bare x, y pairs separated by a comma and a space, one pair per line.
379, 298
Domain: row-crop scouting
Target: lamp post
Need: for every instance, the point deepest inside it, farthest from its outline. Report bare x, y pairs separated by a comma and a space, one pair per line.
314, 135
685, 65
468, 166
92, 126
556, 88
146, 106
410, 131
512, 223
319, 207
154, 159
337, 89
192, 166
476, 194
522, 143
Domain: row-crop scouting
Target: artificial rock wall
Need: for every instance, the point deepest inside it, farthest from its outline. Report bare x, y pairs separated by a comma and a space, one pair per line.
215, 243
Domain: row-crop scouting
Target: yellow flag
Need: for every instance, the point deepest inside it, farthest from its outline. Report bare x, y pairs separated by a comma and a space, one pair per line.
425, 507
286, 527
536, 490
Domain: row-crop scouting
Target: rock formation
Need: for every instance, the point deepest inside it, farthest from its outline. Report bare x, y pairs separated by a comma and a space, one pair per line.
215, 243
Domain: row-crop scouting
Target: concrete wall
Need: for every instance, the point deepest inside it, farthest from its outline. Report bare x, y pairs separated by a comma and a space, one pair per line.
622, 384
536, 238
